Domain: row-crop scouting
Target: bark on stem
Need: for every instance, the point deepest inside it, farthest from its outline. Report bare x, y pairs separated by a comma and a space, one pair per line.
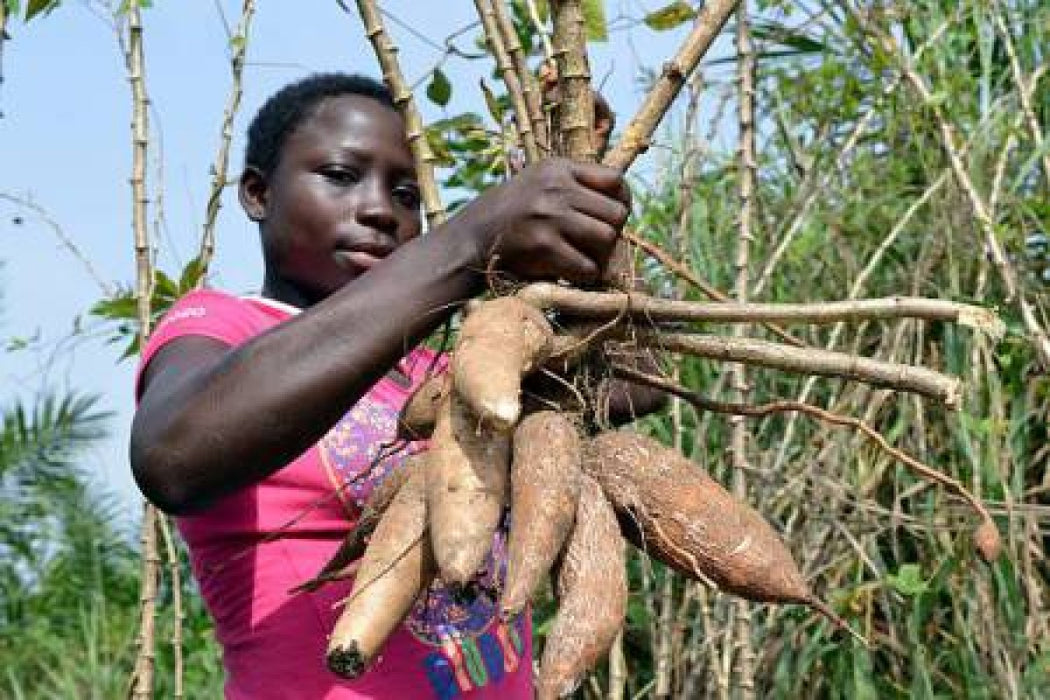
496, 42
824, 363
574, 111
636, 136
641, 307
386, 53
220, 168
142, 675
529, 86
174, 571
745, 666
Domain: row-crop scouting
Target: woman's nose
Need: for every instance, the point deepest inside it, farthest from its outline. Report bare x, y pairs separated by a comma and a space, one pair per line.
375, 209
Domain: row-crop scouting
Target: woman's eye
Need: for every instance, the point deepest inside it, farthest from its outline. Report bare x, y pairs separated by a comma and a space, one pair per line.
408, 196
340, 174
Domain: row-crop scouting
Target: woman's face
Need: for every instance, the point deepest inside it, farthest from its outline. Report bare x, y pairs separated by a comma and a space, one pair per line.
342, 197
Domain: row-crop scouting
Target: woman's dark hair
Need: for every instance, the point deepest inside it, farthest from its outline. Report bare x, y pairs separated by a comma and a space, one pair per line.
294, 103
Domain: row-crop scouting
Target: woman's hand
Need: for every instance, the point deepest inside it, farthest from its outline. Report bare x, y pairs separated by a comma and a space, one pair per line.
556, 219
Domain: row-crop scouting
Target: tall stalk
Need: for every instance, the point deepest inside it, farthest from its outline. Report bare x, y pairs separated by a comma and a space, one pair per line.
220, 167
745, 666
386, 53
145, 660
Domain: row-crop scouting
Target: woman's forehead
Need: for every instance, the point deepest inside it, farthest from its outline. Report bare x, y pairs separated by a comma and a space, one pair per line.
353, 120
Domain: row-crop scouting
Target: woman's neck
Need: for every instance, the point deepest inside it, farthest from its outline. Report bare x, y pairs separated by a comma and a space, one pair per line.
279, 289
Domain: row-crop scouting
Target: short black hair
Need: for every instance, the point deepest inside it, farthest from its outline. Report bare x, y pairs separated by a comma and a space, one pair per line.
293, 104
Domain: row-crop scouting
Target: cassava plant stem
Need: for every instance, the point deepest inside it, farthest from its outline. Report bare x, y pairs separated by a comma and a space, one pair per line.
386, 53
497, 43
529, 86
174, 572
949, 143
641, 307
636, 136
745, 666
574, 111
825, 363
682, 272
238, 44
142, 675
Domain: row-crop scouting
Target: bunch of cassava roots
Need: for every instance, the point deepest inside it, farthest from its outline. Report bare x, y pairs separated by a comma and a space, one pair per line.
575, 492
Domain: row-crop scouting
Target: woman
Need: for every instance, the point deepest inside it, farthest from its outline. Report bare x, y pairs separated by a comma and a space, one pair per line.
259, 417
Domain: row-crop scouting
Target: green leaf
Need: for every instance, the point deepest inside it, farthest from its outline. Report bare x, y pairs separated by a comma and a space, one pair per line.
670, 16
36, 7
594, 20
908, 581
191, 275
237, 42
492, 102
439, 91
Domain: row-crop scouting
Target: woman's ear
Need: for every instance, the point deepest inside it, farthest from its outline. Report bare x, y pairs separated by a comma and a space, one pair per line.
254, 193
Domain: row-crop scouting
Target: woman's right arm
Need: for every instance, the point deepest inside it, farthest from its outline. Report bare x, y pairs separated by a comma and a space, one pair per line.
213, 419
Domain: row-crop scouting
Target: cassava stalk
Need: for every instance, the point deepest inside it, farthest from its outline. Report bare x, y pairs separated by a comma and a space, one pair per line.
529, 87
174, 572
497, 43
745, 666
639, 131
635, 140
819, 180
1024, 88
238, 48
574, 111
642, 307
855, 290
142, 675
386, 53
824, 363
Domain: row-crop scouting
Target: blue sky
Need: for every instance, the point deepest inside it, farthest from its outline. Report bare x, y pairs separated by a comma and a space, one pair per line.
65, 146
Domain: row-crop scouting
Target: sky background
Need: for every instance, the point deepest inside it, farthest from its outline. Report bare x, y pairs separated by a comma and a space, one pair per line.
65, 147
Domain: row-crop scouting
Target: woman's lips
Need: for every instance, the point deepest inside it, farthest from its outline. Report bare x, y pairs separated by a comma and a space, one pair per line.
357, 259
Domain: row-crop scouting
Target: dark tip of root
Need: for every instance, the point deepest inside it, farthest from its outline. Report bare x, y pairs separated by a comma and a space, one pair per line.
347, 662
823, 608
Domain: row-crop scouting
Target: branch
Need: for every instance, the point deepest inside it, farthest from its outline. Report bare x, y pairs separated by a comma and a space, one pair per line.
219, 169
824, 363
174, 572
496, 40
636, 136
65, 240
819, 185
1023, 92
574, 110
738, 373
641, 307
386, 53
529, 86
988, 549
